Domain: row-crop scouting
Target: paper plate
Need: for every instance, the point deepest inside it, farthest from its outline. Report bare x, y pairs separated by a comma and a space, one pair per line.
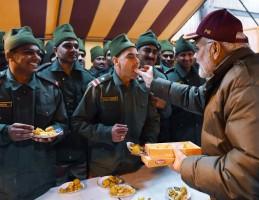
129, 190
103, 178
177, 189
129, 146
59, 131
65, 185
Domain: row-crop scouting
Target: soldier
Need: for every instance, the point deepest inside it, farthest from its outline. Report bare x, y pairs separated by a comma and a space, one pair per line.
185, 125
82, 53
166, 56
3, 62
49, 55
99, 67
116, 108
27, 101
107, 55
148, 49
72, 79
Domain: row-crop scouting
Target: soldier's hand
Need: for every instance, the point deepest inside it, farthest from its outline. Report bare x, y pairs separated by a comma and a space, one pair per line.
179, 157
147, 74
158, 102
119, 132
19, 132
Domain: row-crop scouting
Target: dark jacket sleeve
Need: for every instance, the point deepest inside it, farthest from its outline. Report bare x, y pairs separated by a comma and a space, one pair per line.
152, 125
190, 98
235, 174
85, 116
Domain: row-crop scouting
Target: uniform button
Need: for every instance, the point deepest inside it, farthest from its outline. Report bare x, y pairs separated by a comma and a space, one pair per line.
70, 157
63, 78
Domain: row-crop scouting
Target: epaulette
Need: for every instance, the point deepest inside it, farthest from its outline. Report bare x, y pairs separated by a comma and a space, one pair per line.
100, 79
44, 66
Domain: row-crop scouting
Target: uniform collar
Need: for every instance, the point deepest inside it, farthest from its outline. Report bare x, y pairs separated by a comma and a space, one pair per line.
57, 67
14, 85
117, 80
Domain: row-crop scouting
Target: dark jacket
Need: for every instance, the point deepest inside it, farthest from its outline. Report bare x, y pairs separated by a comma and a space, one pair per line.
73, 148
96, 72
107, 102
229, 168
184, 125
27, 168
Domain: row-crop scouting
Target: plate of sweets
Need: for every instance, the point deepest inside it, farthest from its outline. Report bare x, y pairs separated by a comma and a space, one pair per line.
109, 181
49, 132
135, 149
178, 193
71, 187
122, 190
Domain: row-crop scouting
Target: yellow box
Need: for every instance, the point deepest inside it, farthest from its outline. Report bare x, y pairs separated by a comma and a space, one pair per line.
166, 150
150, 162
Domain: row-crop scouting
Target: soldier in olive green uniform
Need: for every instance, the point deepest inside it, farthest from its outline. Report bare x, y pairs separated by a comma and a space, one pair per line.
27, 101
72, 79
99, 66
166, 58
116, 108
148, 49
82, 53
185, 125
107, 55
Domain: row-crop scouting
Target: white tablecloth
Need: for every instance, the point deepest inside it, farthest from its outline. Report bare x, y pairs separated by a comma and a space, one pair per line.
149, 183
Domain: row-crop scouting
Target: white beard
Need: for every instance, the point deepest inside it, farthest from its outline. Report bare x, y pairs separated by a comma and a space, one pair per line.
204, 74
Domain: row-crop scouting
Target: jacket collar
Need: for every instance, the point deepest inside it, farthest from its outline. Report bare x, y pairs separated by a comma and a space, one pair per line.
223, 68
14, 85
56, 67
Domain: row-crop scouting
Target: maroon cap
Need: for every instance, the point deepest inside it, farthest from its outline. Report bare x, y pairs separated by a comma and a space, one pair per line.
220, 25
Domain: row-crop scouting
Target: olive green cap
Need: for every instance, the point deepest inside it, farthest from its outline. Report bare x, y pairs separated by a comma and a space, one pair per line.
166, 46
18, 37
63, 33
147, 38
96, 52
183, 45
119, 44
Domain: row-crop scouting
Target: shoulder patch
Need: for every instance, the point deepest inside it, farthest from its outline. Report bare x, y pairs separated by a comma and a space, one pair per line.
100, 80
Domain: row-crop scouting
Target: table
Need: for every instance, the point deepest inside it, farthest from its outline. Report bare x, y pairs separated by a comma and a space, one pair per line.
149, 182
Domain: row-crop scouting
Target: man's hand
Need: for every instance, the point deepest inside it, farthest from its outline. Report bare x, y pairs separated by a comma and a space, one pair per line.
158, 102
119, 132
19, 132
179, 157
147, 74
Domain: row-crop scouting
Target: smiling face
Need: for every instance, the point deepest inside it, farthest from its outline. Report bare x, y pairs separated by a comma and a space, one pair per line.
24, 59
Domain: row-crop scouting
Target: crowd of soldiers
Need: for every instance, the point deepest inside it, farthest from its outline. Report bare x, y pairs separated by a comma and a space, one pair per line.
99, 109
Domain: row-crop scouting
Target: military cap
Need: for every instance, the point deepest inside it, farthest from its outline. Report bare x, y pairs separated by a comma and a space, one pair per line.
1, 40
96, 52
41, 46
81, 44
119, 44
220, 25
183, 45
63, 33
18, 37
147, 38
106, 47
166, 46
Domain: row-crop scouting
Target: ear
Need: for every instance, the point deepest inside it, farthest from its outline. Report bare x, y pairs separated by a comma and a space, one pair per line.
115, 60
55, 50
8, 55
215, 50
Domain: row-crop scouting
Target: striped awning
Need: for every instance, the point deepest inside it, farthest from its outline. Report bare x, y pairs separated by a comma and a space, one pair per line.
96, 20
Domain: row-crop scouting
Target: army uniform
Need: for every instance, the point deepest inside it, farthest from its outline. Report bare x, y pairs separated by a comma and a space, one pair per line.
28, 167
185, 125
99, 72
73, 149
105, 103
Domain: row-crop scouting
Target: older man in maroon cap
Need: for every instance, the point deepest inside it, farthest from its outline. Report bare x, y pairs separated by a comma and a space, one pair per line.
229, 100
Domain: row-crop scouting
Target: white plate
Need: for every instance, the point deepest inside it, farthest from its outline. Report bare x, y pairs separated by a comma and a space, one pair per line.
59, 131
171, 198
125, 195
129, 144
101, 179
64, 185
